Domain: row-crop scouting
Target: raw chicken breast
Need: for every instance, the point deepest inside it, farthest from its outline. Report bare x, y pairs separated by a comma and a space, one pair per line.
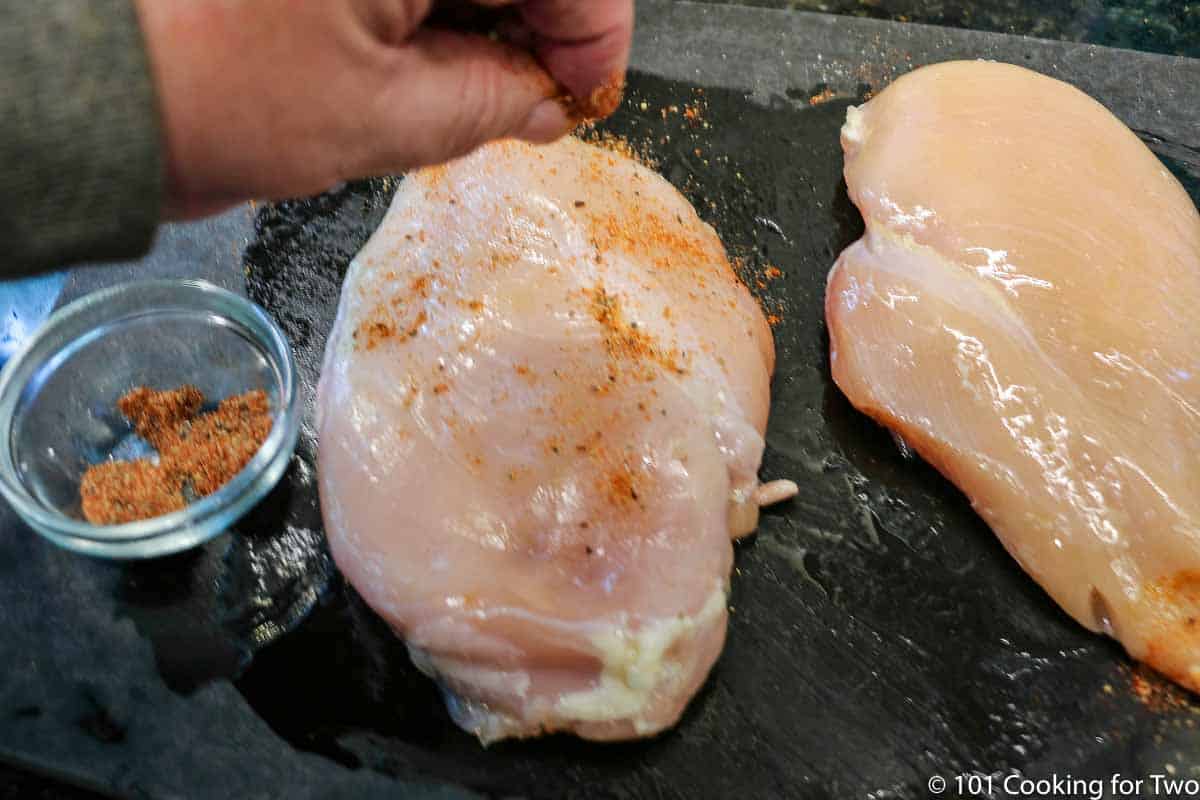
542, 414
1024, 310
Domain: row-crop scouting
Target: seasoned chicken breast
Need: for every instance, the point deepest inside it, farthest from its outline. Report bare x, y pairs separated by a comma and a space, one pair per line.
541, 417
1024, 310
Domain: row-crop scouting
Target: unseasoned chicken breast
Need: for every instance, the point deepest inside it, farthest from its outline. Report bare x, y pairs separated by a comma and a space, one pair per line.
541, 417
1024, 310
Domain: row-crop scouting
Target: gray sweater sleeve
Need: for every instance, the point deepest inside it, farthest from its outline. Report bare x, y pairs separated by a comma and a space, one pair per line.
80, 145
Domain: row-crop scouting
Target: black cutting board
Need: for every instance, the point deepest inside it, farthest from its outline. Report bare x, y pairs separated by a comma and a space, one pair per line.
879, 634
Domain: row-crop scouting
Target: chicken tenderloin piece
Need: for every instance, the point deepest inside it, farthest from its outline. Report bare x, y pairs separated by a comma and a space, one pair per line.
541, 416
1023, 310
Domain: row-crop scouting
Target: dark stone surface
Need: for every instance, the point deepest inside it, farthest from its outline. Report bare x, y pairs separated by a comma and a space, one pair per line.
879, 633
1159, 26
24, 785
794, 54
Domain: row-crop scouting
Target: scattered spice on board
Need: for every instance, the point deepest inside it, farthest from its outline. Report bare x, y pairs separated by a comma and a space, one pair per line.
618, 145
197, 453
769, 273
823, 95
1157, 693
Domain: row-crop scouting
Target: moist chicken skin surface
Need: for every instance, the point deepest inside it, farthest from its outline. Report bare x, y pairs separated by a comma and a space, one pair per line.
1024, 310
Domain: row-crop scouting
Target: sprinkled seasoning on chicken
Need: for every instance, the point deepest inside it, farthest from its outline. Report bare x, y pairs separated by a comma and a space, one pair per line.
542, 415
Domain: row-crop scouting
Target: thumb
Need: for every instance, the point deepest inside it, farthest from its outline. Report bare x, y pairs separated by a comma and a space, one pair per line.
446, 93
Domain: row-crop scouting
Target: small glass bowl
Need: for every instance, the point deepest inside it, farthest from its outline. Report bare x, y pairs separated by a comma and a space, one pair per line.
58, 412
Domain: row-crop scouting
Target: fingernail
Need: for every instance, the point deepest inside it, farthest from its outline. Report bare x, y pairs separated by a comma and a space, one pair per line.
546, 123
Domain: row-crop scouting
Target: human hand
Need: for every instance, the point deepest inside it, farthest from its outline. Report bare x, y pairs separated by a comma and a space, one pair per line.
284, 98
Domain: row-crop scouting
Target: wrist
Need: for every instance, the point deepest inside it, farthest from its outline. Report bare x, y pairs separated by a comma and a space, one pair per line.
159, 20
259, 98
